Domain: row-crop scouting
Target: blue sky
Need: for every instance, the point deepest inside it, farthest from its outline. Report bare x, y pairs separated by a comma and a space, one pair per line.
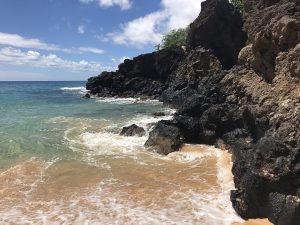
76, 39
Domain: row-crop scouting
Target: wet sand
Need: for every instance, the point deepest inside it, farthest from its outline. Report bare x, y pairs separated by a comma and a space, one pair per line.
191, 186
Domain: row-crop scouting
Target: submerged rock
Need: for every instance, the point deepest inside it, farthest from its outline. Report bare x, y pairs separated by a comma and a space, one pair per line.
133, 130
164, 138
87, 95
158, 114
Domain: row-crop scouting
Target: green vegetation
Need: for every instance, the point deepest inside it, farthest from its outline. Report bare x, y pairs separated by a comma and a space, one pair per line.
174, 38
238, 4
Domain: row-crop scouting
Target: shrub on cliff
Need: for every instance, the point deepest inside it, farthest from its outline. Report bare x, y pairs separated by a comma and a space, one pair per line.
238, 4
173, 38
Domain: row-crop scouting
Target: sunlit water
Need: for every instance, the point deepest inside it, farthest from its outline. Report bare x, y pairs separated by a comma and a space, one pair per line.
62, 161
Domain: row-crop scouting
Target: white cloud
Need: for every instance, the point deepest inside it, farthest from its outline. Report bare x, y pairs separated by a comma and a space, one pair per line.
21, 42
14, 56
90, 50
140, 31
81, 29
150, 28
16, 40
180, 13
123, 4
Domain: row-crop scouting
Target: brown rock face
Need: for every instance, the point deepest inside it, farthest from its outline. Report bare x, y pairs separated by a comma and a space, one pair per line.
218, 28
288, 62
273, 27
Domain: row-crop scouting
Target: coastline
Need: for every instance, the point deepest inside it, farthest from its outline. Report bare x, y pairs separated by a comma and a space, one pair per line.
242, 95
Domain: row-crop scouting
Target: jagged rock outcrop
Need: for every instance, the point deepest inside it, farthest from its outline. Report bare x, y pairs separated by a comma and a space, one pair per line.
184, 81
219, 28
253, 109
144, 75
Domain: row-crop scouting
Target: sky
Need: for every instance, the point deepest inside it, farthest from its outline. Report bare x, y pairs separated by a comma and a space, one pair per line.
47, 40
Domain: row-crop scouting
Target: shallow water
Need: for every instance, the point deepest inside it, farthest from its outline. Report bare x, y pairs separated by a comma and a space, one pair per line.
62, 161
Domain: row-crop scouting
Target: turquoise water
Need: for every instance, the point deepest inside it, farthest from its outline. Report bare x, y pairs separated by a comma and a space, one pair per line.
28, 109
62, 161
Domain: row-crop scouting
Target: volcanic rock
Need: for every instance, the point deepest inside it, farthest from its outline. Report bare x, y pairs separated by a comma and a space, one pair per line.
219, 28
144, 75
133, 130
164, 138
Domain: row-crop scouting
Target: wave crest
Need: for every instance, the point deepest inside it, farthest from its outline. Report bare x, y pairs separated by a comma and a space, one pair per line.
80, 90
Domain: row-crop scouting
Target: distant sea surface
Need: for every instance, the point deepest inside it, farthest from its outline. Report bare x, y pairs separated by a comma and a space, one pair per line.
62, 161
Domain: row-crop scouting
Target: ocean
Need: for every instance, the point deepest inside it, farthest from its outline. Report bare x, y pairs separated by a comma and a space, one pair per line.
62, 161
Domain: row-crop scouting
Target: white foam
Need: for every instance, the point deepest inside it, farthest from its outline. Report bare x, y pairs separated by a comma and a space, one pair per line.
127, 101
72, 88
108, 143
80, 90
187, 157
144, 121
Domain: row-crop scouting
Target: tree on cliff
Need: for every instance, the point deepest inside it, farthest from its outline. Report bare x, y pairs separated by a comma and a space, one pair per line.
173, 38
238, 4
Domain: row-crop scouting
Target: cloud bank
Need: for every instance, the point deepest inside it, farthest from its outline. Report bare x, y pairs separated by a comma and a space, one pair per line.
14, 56
18, 41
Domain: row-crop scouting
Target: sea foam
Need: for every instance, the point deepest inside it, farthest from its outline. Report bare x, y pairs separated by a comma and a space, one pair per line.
127, 101
80, 90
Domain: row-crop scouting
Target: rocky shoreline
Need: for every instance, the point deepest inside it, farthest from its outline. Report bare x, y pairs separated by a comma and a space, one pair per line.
236, 85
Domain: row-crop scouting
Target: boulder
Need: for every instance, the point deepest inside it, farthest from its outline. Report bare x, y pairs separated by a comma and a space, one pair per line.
246, 57
164, 138
133, 130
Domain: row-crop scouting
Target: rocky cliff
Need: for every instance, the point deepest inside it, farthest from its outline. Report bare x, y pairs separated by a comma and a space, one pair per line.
237, 87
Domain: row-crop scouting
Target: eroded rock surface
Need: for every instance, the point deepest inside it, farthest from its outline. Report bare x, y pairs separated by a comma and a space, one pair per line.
272, 27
